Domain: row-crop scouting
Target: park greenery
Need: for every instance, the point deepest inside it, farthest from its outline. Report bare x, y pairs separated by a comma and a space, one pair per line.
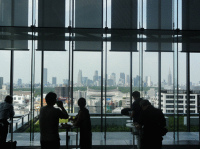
37, 91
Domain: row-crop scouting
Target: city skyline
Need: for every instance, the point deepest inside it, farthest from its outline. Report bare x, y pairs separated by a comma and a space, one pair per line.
88, 68
123, 79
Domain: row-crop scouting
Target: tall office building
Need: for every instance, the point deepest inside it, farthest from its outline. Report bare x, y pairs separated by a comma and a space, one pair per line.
122, 77
127, 80
45, 76
110, 82
1, 82
79, 82
95, 77
65, 81
136, 81
113, 77
84, 80
169, 78
148, 81
54, 80
19, 82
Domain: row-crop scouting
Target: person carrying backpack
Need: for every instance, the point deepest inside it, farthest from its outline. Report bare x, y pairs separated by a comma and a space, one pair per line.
152, 123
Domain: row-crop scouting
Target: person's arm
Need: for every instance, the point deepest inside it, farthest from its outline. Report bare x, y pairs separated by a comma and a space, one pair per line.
132, 114
64, 112
162, 119
80, 117
11, 111
140, 122
134, 107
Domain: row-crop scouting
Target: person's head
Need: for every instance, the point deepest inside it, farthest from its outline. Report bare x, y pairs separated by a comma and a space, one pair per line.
81, 102
51, 98
136, 95
9, 99
144, 104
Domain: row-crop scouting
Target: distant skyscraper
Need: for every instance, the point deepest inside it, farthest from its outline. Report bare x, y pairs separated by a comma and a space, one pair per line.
169, 78
54, 80
1, 82
89, 82
45, 76
127, 80
113, 77
95, 77
99, 81
148, 81
122, 77
65, 81
79, 83
19, 82
84, 80
136, 81
110, 82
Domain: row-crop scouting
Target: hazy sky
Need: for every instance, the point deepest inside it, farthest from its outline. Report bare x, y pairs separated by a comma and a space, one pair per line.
88, 62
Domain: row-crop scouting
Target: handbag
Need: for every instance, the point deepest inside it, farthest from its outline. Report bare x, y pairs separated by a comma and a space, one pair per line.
10, 145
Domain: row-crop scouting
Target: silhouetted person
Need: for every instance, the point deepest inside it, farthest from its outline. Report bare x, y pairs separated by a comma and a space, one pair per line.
135, 111
6, 112
82, 120
49, 121
136, 108
152, 122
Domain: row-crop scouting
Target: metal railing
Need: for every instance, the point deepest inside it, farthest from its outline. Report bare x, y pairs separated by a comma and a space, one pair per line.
20, 120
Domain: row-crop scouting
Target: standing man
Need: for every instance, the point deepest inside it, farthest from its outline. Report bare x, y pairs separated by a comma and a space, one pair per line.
6, 112
49, 121
136, 108
152, 122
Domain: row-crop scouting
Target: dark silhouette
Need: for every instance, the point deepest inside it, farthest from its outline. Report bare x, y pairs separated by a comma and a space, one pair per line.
49, 121
152, 122
82, 120
6, 112
136, 109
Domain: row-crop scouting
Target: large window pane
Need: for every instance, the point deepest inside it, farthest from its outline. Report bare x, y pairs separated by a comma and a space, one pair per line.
22, 100
150, 74
4, 74
87, 80
87, 84
118, 93
55, 74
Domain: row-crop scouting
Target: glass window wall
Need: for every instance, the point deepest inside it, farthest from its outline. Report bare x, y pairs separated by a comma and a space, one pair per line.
146, 47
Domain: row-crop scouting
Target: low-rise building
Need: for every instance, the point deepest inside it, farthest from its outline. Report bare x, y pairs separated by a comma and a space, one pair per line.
169, 104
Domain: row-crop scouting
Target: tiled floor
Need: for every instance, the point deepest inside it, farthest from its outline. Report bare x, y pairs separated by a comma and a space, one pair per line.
112, 138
